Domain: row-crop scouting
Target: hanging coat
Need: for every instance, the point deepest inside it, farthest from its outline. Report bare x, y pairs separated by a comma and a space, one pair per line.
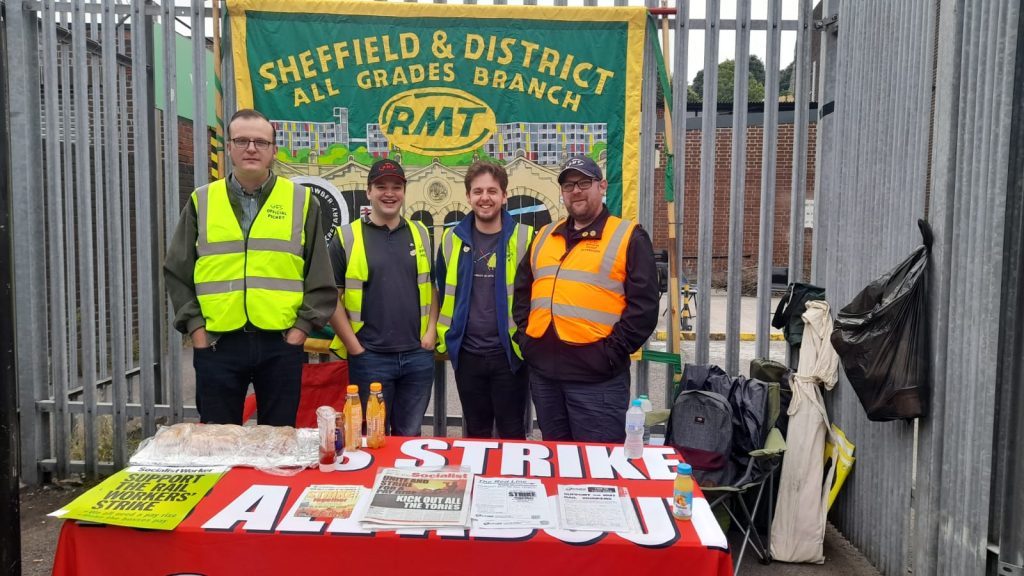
798, 530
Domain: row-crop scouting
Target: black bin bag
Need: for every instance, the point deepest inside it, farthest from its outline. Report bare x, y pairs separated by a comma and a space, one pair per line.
882, 339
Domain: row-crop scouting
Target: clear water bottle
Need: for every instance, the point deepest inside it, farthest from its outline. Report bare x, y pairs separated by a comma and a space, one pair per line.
645, 405
634, 445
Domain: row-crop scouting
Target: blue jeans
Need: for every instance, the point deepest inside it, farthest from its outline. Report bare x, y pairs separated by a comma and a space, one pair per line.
581, 411
224, 371
407, 379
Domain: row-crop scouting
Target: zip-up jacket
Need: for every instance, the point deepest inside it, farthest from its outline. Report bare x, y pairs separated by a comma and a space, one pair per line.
450, 339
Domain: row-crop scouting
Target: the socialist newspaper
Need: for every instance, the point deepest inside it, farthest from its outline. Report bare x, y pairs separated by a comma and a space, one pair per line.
419, 499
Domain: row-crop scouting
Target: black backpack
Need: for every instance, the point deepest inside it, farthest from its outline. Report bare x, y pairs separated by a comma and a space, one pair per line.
700, 427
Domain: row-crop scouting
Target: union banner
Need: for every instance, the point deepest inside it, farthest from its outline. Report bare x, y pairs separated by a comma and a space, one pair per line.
437, 86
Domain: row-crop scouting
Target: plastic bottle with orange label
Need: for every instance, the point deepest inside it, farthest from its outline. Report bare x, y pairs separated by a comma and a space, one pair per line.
353, 420
375, 412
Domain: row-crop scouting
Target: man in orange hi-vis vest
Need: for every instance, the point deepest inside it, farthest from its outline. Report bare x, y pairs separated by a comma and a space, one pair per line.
586, 296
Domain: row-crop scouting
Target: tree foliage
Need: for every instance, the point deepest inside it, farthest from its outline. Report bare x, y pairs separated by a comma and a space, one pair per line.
726, 82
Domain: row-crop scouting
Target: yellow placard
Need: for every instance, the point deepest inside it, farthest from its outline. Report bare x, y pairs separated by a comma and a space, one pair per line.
151, 497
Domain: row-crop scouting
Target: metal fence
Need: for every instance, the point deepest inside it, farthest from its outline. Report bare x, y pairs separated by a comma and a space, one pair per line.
923, 94
100, 364
914, 121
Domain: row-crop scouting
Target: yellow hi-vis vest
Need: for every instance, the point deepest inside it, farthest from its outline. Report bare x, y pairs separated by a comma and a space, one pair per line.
258, 279
451, 247
582, 292
357, 273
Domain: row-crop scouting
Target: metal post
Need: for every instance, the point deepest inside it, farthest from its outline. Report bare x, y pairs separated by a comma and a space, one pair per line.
1011, 541
172, 355
200, 139
86, 253
679, 94
706, 227
26, 179
766, 225
143, 194
738, 187
645, 199
10, 511
440, 399
115, 272
801, 105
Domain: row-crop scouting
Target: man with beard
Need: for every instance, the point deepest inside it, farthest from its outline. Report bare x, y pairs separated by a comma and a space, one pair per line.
475, 271
585, 298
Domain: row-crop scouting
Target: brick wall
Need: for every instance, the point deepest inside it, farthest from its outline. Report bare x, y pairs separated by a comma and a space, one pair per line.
751, 203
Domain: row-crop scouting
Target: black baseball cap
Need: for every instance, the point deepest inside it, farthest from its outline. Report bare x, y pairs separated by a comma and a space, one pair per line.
385, 167
582, 164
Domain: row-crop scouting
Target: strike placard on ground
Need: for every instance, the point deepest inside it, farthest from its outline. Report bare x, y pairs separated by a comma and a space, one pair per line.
151, 497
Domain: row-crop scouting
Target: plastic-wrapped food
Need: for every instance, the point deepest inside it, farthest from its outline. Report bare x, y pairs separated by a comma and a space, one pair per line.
265, 447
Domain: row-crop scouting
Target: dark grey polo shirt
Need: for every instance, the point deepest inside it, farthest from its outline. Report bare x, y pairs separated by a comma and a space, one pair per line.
391, 306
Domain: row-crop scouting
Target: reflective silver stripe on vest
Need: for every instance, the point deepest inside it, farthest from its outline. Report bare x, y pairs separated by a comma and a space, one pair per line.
599, 280
522, 243
545, 272
608, 260
424, 277
355, 315
348, 238
424, 235
540, 246
448, 245
274, 284
449, 290
219, 287
203, 245
540, 302
567, 311
602, 278
444, 319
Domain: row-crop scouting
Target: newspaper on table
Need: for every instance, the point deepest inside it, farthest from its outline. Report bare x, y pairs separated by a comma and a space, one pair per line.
330, 501
595, 507
511, 503
419, 498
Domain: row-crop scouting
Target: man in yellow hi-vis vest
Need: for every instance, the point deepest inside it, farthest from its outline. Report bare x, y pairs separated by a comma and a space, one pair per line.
476, 266
248, 276
586, 296
386, 321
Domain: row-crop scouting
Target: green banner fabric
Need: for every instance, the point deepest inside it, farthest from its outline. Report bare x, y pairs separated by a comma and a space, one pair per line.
350, 82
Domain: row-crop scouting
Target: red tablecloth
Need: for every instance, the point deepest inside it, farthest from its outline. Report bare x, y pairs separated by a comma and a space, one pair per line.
245, 526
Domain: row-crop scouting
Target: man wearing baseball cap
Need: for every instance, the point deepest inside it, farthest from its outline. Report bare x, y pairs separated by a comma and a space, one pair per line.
586, 296
386, 323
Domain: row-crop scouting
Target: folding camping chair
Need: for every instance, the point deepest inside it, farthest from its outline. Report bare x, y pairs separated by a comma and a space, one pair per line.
756, 453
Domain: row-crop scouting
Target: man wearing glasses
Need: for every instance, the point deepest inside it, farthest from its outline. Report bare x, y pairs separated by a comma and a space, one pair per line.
249, 278
586, 296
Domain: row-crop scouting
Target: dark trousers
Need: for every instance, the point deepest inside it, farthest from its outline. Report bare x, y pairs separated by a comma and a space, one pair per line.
225, 370
581, 411
407, 379
492, 395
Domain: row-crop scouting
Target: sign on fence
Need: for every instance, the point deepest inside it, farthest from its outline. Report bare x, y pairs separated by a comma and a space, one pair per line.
438, 85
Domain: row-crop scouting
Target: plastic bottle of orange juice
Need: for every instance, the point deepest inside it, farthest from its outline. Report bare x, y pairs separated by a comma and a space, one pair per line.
682, 493
375, 412
353, 420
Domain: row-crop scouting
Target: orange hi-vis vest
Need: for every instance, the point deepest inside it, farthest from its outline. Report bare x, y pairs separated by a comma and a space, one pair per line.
583, 291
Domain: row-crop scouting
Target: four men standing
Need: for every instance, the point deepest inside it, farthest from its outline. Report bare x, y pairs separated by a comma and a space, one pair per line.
247, 272
476, 267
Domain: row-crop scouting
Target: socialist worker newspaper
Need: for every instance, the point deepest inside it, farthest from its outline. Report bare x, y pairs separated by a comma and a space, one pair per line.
419, 499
